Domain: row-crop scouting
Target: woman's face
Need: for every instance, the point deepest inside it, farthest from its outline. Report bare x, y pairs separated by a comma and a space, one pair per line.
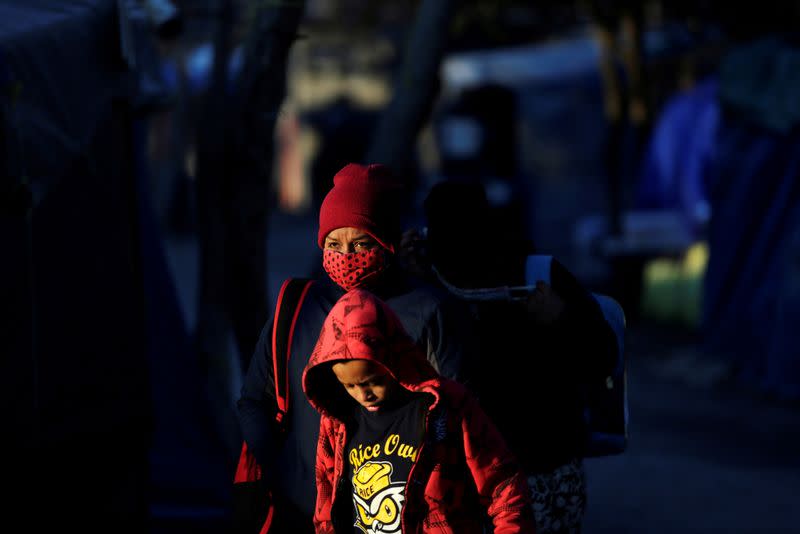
348, 240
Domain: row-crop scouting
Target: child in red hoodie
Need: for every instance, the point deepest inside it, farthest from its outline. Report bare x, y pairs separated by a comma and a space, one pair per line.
402, 449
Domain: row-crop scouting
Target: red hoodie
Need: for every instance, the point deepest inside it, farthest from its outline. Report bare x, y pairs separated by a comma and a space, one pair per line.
463, 467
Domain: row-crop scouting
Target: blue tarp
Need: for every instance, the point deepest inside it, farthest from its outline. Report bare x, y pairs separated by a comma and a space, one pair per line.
81, 411
750, 287
677, 158
99, 367
708, 158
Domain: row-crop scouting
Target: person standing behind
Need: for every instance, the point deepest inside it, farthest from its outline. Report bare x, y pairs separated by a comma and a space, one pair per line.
402, 449
359, 232
537, 357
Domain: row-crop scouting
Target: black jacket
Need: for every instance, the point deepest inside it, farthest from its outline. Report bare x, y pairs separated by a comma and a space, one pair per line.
436, 321
533, 377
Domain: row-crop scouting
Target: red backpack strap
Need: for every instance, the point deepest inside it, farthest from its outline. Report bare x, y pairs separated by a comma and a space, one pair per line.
290, 300
253, 504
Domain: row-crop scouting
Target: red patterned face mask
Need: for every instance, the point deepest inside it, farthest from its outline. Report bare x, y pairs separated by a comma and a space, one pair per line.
357, 269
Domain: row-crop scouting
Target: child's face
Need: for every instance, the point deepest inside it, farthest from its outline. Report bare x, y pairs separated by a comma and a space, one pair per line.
369, 383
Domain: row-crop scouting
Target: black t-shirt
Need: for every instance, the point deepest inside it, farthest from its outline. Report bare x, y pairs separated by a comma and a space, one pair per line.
380, 452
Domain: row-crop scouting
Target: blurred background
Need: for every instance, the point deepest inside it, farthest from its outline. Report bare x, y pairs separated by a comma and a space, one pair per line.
163, 165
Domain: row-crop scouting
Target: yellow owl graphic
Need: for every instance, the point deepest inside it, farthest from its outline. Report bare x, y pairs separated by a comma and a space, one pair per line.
378, 501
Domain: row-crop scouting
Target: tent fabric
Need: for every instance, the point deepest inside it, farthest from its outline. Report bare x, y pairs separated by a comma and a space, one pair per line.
80, 378
65, 144
782, 371
103, 375
65, 77
761, 80
750, 287
676, 161
709, 159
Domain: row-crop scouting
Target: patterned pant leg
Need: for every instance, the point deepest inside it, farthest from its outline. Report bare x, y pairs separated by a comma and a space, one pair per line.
559, 499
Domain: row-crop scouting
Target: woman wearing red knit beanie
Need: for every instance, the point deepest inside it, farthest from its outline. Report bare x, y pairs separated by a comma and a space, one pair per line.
366, 197
359, 232
359, 224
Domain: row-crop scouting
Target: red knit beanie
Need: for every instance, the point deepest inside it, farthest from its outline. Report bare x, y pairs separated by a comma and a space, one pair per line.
364, 197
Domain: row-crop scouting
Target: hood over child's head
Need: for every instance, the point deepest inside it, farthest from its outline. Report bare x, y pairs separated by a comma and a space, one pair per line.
361, 326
